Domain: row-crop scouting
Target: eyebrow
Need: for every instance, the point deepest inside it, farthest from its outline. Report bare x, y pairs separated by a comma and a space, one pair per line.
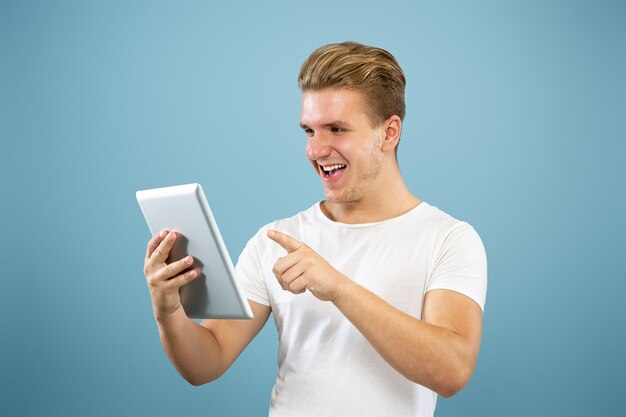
331, 124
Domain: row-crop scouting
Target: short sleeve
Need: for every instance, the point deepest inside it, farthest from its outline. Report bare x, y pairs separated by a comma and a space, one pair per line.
250, 275
461, 264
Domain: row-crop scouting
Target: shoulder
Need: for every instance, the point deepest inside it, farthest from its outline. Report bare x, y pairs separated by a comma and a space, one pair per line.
459, 260
447, 229
439, 221
288, 225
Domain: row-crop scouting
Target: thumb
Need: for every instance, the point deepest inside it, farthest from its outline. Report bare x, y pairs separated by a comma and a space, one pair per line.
290, 244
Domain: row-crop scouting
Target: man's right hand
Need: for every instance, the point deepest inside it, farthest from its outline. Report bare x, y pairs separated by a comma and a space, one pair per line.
200, 352
164, 280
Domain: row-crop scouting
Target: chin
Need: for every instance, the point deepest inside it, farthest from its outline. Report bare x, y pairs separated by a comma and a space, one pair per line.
332, 199
338, 199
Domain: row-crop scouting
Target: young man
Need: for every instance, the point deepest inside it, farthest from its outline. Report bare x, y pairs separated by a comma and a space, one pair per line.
377, 296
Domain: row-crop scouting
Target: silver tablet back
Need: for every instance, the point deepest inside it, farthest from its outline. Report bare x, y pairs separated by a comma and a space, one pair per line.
184, 209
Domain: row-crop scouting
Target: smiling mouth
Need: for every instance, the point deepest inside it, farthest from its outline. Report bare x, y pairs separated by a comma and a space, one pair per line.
331, 170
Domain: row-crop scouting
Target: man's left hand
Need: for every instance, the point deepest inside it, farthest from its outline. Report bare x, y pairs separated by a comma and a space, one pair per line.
303, 268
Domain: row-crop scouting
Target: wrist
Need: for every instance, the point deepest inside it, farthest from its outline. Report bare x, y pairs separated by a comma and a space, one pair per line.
345, 286
165, 319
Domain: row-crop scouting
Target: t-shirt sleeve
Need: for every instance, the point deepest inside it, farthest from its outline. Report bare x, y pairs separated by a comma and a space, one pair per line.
250, 275
461, 264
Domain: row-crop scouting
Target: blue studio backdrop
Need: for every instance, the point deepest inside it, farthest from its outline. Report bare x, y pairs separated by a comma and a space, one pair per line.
515, 123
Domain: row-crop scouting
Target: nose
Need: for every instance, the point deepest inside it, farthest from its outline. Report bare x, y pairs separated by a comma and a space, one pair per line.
318, 147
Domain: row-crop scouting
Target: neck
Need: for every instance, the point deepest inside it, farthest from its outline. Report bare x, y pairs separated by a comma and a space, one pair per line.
388, 200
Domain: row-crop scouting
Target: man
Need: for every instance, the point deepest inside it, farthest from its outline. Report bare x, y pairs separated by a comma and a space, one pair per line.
377, 296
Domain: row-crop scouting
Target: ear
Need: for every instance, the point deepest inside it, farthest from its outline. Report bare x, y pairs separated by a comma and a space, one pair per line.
392, 129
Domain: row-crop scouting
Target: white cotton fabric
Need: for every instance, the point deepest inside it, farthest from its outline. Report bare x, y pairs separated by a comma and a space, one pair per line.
325, 366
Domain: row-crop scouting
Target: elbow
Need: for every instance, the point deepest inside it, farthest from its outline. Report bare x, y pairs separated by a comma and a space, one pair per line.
449, 391
196, 382
199, 379
454, 382
206, 374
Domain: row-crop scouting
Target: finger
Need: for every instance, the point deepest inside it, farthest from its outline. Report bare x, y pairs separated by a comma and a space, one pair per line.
286, 262
162, 251
282, 265
154, 242
278, 272
287, 242
297, 286
182, 279
291, 275
173, 269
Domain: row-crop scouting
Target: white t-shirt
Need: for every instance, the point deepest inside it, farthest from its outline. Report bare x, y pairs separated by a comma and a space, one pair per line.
325, 365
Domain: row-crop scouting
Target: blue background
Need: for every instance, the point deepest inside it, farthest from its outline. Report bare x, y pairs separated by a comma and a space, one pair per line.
515, 123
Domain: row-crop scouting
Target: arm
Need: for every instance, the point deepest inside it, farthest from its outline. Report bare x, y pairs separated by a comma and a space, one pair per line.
438, 352
200, 352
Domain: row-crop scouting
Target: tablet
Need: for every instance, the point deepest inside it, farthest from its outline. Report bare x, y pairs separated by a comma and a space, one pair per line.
185, 210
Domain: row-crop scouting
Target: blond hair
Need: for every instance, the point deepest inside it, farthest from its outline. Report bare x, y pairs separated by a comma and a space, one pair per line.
369, 70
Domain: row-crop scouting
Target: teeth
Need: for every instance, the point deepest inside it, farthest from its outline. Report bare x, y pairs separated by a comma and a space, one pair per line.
332, 167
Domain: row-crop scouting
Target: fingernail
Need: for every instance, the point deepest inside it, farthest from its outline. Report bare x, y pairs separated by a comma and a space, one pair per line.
171, 235
188, 260
162, 233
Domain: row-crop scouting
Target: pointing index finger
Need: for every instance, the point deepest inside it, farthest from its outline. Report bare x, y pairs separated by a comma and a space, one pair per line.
287, 242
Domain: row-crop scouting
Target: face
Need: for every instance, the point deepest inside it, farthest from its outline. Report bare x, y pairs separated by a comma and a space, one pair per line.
342, 145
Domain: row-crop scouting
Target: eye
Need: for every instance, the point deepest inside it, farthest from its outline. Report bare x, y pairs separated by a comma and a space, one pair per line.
309, 132
337, 129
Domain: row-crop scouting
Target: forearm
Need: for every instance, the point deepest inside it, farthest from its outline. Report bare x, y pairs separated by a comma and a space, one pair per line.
429, 355
438, 352
192, 348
